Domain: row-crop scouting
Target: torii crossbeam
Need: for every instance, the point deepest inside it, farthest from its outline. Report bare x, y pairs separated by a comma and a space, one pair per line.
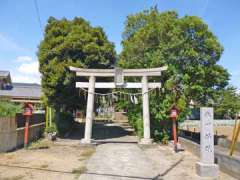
119, 75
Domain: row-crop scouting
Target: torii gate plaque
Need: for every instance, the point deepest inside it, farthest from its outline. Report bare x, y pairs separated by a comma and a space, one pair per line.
119, 82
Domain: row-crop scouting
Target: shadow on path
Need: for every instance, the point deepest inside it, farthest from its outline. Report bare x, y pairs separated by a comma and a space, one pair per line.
100, 132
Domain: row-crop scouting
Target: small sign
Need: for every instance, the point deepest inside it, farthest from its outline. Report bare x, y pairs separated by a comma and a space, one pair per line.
174, 112
28, 109
119, 79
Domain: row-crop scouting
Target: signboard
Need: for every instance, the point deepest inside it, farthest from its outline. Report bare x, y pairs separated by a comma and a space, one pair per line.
118, 78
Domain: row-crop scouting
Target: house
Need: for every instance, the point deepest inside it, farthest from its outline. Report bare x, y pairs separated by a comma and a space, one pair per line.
18, 92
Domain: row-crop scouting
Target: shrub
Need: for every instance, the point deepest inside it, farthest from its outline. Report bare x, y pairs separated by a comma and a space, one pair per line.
9, 109
51, 129
64, 123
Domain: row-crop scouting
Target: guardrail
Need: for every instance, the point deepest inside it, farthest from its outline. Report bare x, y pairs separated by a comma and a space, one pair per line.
196, 123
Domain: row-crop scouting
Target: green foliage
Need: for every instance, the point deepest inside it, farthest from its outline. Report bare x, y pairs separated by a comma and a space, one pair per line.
65, 123
189, 49
70, 43
227, 103
51, 129
135, 118
9, 109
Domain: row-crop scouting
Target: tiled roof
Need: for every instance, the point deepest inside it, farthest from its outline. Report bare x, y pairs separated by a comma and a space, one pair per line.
4, 73
23, 90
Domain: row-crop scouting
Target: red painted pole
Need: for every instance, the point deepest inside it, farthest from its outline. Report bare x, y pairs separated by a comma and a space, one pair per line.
174, 134
26, 131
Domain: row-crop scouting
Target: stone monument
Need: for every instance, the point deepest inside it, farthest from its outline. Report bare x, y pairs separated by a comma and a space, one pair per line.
206, 166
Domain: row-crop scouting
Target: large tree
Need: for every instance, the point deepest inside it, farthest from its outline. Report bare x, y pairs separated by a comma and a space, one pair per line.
189, 49
227, 103
70, 43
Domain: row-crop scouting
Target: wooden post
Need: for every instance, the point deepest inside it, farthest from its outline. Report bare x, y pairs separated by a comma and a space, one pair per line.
235, 138
146, 116
50, 117
46, 114
89, 113
26, 131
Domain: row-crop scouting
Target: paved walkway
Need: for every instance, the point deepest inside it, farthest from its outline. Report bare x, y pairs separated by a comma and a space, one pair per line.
119, 161
121, 158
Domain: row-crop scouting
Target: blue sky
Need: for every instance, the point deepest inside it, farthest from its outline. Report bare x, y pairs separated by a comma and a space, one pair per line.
20, 32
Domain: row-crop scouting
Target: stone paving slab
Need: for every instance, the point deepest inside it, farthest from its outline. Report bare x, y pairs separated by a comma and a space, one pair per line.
130, 161
118, 161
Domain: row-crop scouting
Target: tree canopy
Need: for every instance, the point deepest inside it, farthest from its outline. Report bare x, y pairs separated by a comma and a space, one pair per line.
70, 43
150, 39
189, 49
227, 104
186, 45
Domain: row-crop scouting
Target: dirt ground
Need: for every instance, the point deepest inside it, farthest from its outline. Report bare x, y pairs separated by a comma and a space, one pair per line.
58, 161
117, 155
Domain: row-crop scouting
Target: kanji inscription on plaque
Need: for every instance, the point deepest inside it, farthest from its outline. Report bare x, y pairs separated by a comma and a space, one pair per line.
119, 79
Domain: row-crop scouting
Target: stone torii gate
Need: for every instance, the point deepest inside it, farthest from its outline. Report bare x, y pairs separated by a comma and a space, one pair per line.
119, 75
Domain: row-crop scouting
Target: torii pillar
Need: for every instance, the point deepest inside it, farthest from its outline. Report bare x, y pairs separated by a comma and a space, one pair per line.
89, 113
91, 85
146, 115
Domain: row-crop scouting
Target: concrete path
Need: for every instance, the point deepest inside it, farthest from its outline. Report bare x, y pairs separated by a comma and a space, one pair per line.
120, 157
118, 161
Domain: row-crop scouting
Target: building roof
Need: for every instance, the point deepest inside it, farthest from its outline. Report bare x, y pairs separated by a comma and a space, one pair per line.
4, 73
23, 90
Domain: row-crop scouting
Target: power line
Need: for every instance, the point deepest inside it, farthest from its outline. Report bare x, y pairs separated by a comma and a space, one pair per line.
38, 15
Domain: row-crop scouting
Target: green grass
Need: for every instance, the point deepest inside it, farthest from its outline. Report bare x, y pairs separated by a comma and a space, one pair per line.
44, 166
87, 152
39, 144
78, 171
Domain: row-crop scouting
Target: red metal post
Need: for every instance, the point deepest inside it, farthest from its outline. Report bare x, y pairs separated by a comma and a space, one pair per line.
174, 134
26, 131
174, 114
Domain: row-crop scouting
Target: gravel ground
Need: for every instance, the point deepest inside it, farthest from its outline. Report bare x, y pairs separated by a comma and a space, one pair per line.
119, 157
58, 161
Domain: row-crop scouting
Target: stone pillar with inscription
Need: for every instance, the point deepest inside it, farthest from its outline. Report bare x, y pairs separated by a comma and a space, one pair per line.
206, 166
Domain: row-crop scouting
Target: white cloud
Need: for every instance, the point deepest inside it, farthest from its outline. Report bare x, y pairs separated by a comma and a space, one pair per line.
27, 71
29, 68
21, 59
26, 79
